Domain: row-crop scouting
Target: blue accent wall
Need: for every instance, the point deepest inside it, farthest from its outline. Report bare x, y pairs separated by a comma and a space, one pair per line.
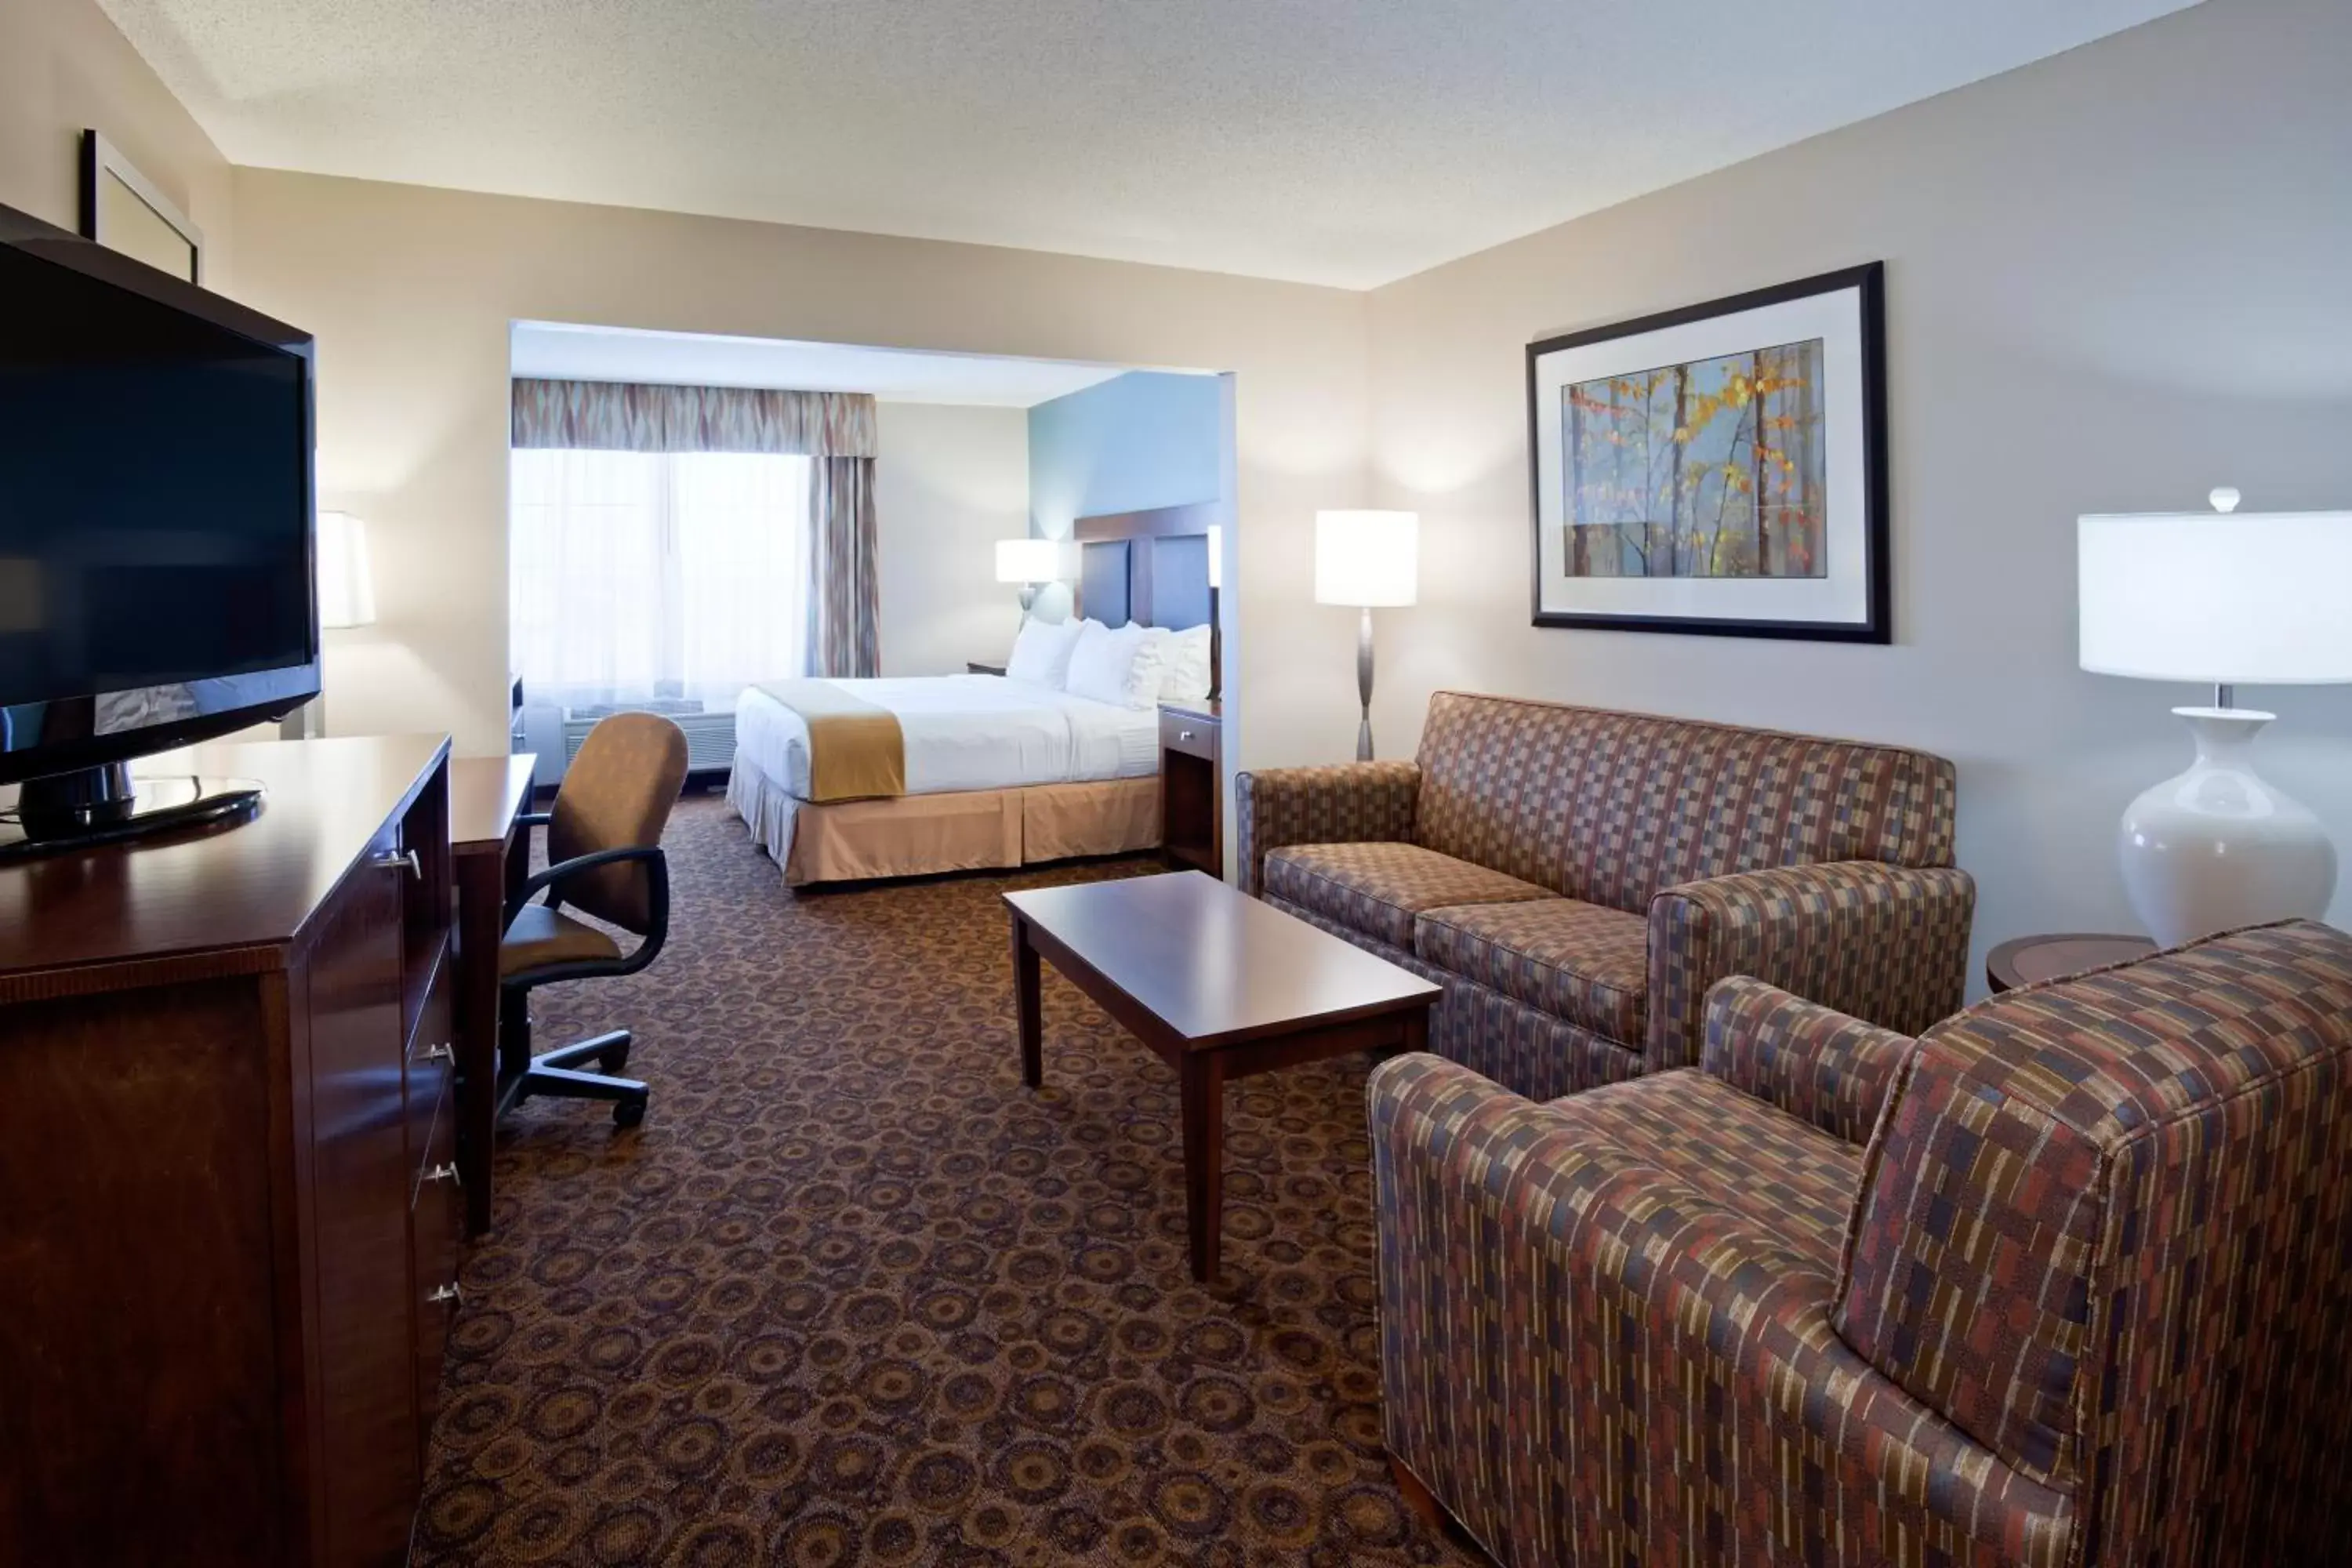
1143, 439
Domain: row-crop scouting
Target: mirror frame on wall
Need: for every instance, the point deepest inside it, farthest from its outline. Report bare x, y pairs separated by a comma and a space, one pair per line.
102, 161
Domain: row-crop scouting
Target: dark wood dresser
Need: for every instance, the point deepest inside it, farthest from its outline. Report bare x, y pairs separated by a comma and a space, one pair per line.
228, 1206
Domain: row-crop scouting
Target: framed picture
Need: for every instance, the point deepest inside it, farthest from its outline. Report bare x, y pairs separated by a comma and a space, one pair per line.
1718, 470
123, 210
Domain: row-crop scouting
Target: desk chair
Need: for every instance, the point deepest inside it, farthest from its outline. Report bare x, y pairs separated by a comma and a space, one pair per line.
605, 858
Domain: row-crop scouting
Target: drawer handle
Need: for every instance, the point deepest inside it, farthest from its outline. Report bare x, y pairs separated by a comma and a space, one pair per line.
449, 1293
441, 1053
447, 1173
1183, 735
403, 858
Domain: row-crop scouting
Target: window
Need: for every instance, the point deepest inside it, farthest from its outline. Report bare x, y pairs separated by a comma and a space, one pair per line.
645, 578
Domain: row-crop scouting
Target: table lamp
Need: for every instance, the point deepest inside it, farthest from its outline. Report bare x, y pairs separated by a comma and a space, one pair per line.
1030, 562
1369, 559
346, 586
2222, 598
346, 590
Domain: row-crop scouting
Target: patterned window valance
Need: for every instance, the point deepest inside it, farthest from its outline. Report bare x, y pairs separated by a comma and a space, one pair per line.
620, 416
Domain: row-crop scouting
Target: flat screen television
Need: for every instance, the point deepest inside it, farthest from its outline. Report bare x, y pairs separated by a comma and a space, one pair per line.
156, 522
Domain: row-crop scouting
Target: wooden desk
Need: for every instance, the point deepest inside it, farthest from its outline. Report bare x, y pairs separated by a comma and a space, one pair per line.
487, 797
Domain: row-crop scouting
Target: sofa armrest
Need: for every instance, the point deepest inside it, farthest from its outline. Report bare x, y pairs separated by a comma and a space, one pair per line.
1348, 802
1814, 1063
1887, 944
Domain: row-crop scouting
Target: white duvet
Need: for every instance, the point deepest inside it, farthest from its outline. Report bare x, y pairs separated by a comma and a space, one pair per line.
968, 731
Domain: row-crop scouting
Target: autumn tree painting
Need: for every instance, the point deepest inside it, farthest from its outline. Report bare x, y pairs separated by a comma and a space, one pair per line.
1712, 468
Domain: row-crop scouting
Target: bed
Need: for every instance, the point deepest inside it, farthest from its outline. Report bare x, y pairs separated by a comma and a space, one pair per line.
996, 773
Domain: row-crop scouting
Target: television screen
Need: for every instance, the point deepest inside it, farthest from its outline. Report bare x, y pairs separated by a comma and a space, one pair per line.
154, 502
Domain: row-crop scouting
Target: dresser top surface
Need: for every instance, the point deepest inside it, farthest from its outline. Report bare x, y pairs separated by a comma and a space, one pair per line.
245, 885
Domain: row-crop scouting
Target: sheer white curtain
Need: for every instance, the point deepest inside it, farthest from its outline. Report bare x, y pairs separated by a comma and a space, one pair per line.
657, 577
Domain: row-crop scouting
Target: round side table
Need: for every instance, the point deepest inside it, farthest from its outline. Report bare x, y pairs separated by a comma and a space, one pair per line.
2023, 960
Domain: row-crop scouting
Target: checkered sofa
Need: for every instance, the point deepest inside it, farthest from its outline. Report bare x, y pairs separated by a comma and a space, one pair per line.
1577, 879
2066, 1281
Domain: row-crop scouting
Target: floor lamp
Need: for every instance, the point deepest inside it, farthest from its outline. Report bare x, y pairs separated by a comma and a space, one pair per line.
2220, 600
1368, 559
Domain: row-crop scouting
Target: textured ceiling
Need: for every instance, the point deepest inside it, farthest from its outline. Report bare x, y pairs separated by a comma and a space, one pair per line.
1318, 139
565, 352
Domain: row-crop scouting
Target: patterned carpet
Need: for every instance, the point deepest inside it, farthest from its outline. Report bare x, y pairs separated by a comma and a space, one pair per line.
853, 1296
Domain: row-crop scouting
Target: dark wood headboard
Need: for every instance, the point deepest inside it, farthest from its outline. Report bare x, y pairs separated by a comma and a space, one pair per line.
1152, 567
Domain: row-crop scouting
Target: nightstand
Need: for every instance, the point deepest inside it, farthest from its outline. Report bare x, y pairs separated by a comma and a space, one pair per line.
973, 667
1191, 797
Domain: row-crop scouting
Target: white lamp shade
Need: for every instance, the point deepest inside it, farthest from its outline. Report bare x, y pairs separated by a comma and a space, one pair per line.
2243, 598
1030, 561
1370, 559
346, 587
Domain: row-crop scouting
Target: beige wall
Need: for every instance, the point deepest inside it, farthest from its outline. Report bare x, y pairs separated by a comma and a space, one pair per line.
64, 67
2114, 280
949, 483
410, 292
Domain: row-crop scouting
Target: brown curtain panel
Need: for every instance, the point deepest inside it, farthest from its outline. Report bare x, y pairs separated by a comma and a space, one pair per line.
845, 630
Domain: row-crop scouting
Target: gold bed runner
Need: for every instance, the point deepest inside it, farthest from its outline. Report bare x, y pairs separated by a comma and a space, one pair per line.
856, 751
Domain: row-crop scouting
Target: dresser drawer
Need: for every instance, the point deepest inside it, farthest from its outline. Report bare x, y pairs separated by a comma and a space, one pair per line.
430, 1073
435, 1217
1189, 733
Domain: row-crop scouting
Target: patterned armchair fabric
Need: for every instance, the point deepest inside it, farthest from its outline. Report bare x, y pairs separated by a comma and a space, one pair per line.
2106, 1230
2086, 1298
1821, 866
1814, 1063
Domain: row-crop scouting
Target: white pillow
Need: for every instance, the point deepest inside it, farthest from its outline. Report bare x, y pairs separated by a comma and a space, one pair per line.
1184, 665
1120, 667
1041, 653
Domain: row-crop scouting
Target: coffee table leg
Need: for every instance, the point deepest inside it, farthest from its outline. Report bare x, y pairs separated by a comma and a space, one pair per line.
1204, 1083
1024, 1006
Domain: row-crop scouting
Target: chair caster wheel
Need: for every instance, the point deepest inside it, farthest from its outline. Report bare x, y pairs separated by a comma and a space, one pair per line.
628, 1113
613, 1062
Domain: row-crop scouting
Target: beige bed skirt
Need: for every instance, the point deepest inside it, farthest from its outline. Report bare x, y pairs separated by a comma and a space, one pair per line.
913, 835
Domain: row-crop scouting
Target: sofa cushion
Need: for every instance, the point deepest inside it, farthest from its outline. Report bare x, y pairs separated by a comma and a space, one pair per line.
1573, 960
1378, 889
1611, 808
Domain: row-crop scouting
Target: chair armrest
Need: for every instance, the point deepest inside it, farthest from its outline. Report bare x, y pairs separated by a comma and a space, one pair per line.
1814, 1063
657, 868
1348, 802
1887, 944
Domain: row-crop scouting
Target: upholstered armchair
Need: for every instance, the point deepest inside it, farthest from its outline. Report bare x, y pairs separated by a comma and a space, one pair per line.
2066, 1281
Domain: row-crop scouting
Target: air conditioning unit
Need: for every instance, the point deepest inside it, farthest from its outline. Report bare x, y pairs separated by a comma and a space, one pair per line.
709, 737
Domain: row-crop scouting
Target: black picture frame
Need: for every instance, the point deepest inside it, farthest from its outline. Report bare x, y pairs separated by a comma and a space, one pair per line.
1868, 282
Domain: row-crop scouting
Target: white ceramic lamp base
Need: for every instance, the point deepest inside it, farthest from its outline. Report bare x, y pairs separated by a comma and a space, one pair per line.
2216, 847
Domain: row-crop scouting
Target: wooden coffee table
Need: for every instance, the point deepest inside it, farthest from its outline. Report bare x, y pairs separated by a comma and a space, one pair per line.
1218, 984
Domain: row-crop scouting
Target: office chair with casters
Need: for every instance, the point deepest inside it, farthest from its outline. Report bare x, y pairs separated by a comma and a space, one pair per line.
604, 859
